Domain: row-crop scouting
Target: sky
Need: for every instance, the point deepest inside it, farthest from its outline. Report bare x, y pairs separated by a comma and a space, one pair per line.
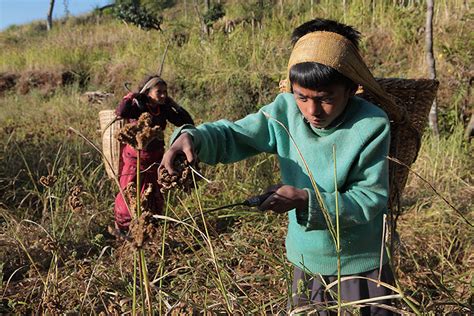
24, 11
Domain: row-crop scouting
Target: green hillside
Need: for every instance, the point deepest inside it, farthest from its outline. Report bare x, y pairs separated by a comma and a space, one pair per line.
56, 253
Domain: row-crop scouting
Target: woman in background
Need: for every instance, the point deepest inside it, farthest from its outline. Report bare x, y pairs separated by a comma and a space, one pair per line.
152, 98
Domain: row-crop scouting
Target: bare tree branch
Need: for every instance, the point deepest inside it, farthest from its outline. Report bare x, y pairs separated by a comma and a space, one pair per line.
49, 19
433, 116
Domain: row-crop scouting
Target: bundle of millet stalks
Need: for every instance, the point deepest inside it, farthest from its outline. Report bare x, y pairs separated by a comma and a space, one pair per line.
139, 135
141, 228
183, 178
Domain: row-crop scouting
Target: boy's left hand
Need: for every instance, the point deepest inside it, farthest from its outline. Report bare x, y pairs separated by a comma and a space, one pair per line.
285, 198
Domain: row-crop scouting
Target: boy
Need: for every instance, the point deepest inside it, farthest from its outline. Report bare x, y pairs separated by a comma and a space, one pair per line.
324, 71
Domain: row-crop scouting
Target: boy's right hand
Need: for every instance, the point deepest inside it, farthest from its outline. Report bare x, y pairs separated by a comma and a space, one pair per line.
183, 144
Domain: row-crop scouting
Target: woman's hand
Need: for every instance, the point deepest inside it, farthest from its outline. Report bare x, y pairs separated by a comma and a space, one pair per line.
285, 198
173, 103
140, 100
182, 145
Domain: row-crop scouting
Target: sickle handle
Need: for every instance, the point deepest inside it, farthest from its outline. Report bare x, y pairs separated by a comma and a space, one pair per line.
257, 200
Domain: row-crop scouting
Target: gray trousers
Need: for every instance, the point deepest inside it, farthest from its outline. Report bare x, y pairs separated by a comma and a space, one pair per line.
308, 289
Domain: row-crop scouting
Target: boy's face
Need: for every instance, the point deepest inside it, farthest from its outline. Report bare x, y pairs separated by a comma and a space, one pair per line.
321, 107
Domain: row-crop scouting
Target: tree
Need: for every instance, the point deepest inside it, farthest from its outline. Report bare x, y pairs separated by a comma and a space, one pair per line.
206, 27
49, 19
213, 13
157, 6
133, 12
433, 116
470, 128
66, 8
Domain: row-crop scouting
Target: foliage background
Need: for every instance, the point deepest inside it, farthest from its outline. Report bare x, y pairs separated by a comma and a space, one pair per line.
227, 74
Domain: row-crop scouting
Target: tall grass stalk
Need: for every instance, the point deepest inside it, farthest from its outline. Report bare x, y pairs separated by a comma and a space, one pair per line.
86, 293
50, 197
141, 280
253, 62
141, 255
23, 247
97, 149
206, 237
65, 226
136, 216
50, 202
411, 302
162, 263
27, 166
382, 244
144, 281
8, 281
220, 273
51, 278
190, 229
432, 188
338, 244
319, 198
211, 248
335, 230
357, 303
138, 192
134, 291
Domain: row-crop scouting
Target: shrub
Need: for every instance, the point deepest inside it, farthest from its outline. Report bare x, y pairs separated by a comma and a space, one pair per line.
133, 13
213, 14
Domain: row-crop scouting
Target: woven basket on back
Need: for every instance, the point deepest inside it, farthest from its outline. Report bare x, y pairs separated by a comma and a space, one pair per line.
110, 145
414, 96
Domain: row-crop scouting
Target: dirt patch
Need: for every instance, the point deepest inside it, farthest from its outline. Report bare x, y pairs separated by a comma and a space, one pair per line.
38, 246
7, 82
45, 81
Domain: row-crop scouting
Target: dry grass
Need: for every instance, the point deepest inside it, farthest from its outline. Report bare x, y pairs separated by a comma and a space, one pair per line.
57, 257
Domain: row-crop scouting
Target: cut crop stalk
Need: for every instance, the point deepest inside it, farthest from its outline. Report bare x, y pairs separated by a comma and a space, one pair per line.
338, 245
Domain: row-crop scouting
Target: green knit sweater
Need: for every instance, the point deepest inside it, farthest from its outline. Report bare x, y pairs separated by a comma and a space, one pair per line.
361, 135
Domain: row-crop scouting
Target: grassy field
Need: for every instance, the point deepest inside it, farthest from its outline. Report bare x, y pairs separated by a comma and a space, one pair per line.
56, 254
